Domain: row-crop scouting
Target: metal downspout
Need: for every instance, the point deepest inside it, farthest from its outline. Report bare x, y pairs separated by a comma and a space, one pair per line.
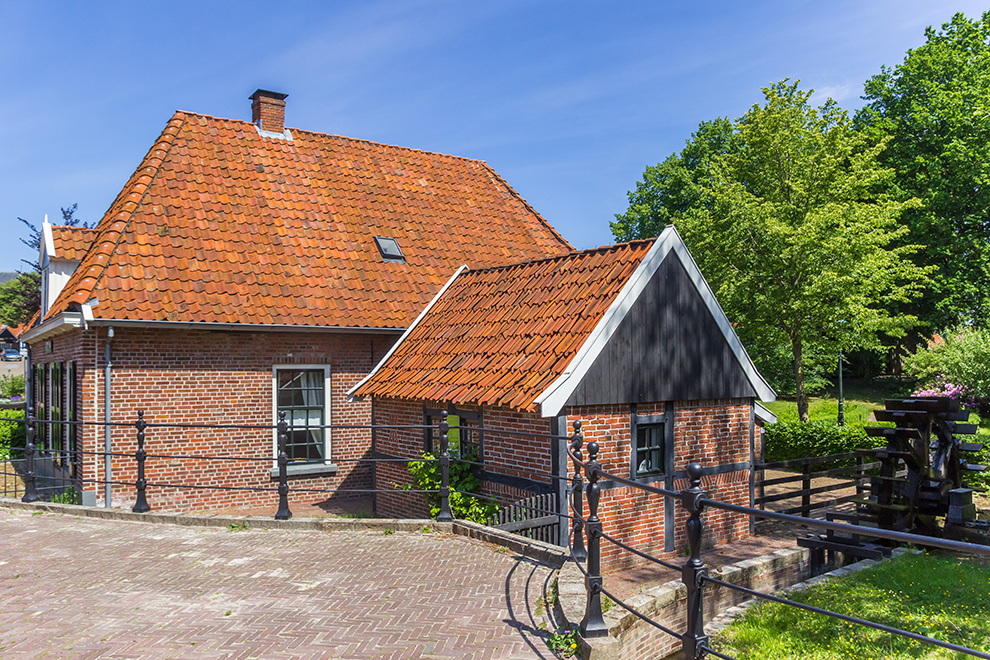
106, 419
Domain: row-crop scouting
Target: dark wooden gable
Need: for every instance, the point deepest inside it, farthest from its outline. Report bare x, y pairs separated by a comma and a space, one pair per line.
668, 347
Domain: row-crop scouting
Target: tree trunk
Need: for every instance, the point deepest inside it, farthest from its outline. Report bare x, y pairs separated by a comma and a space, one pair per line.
802, 397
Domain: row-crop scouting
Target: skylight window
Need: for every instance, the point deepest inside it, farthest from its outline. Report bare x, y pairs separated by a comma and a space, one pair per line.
389, 248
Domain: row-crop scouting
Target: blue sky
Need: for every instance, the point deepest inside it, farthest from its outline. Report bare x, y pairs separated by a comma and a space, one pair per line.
569, 101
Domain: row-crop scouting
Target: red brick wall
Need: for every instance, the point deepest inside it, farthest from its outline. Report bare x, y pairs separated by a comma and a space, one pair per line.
515, 445
712, 433
204, 377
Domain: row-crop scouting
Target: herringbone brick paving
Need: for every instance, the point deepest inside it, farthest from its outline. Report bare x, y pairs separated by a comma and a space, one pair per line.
79, 588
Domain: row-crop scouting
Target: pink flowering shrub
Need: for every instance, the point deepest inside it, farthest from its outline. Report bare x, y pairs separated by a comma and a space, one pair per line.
942, 386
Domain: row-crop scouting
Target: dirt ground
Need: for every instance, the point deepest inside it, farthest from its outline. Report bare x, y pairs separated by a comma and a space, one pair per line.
11, 484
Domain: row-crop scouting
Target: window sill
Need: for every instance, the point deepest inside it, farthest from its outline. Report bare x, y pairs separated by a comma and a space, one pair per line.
307, 470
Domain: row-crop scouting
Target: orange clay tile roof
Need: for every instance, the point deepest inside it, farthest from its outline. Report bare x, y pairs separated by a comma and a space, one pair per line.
71, 243
221, 225
501, 336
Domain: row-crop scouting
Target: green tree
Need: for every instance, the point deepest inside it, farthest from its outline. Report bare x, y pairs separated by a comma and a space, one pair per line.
797, 240
678, 185
935, 110
20, 298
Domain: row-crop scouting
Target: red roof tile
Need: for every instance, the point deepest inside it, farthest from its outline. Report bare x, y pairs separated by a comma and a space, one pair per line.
71, 243
220, 224
501, 336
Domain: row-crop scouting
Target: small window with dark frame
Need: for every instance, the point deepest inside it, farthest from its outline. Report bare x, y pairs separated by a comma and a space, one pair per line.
649, 458
389, 248
464, 439
302, 396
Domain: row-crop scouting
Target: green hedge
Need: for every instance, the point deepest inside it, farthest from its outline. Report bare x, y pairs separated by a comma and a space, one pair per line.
789, 440
11, 434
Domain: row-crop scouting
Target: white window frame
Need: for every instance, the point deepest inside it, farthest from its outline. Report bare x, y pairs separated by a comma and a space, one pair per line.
327, 407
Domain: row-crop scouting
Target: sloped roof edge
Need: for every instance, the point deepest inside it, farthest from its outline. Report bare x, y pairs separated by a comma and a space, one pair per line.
552, 400
405, 334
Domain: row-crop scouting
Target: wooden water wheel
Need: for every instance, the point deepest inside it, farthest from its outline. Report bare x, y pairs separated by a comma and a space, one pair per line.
923, 460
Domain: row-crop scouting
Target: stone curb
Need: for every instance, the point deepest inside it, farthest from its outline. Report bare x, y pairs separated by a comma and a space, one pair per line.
215, 520
571, 595
542, 552
723, 620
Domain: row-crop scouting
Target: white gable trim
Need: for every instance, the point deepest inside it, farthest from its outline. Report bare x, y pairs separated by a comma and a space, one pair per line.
49, 241
764, 414
553, 399
350, 392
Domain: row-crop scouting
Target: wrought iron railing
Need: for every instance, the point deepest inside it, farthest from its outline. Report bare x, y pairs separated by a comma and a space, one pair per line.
694, 573
586, 533
38, 487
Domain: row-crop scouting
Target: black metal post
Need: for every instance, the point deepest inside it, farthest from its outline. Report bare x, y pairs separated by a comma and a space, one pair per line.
593, 625
30, 488
694, 570
842, 417
806, 487
141, 505
577, 493
283, 512
445, 515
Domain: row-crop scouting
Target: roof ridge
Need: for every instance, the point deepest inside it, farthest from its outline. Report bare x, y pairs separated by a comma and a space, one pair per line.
72, 289
569, 255
352, 139
526, 204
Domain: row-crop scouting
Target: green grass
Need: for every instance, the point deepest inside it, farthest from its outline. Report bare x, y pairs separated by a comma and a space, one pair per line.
939, 597
859, 399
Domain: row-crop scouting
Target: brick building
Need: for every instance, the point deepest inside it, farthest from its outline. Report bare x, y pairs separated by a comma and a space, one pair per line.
628, 339
246, 268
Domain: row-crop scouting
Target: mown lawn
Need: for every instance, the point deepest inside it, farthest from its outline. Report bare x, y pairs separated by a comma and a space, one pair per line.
936, 596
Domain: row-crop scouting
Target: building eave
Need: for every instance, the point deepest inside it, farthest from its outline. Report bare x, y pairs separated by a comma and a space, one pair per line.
67, 321
64, 322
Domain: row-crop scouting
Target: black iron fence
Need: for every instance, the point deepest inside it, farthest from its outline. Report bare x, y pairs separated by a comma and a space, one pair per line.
55, 481
694, 573
586, 532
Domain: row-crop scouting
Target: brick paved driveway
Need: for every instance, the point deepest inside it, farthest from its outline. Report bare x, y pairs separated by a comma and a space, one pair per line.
82, 588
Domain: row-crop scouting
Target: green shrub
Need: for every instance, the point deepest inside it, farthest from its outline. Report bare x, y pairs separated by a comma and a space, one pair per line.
426, 476
789, 440
12, 434
962, 360
11, 385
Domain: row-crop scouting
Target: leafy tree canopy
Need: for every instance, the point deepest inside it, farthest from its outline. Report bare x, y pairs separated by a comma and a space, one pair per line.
792, 227
677, 186
20, 298
935, 108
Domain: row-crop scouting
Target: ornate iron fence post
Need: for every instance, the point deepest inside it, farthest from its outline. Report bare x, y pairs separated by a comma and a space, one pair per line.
593, 625
30, 488
445, 515
694, 570
283, 512
577, 494
141, 505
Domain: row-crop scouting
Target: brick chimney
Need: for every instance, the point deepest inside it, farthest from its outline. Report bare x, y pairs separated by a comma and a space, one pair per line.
268, 110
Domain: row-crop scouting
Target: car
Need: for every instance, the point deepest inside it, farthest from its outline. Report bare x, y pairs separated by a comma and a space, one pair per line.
11, 355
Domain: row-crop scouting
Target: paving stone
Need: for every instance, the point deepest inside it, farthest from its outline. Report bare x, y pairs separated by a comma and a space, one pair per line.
80, 588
